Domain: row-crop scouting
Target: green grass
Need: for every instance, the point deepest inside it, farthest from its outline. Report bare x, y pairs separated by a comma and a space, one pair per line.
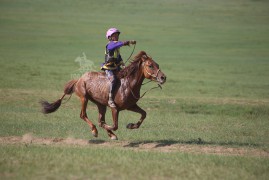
101, 163
214, 53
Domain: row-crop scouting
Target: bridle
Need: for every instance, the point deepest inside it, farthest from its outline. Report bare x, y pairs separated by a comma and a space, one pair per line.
153, 75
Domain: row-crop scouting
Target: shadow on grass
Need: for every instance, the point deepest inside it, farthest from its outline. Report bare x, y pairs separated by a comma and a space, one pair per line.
96, 141
199, 141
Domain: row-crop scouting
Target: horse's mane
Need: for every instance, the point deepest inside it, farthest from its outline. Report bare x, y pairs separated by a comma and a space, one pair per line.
132, 67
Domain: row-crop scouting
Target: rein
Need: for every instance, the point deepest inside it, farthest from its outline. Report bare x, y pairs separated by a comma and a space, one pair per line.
130, 55
159, 86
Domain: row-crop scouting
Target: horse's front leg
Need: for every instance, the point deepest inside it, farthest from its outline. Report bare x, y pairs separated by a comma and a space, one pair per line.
143, 113
102, 121
115, 115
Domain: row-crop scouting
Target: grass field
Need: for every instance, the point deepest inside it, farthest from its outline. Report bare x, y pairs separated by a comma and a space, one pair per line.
210, 120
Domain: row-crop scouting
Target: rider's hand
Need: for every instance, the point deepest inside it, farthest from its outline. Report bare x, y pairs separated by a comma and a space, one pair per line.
126, 43
133, 42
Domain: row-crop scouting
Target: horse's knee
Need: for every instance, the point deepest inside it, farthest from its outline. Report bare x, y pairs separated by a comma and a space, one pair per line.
143, 115
83, 116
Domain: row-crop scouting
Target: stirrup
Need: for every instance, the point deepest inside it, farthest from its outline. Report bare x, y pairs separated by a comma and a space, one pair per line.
111, 104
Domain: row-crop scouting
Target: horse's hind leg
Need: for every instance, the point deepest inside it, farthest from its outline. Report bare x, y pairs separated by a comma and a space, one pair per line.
83, 115
143, 113
102, 121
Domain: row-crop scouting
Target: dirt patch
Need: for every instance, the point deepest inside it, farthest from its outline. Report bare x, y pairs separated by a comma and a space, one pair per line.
199, 149
29, 139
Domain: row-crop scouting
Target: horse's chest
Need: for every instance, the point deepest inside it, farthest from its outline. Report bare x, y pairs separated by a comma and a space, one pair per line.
126, 93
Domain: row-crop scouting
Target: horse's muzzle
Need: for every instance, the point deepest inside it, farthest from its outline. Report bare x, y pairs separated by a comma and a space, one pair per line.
161, 78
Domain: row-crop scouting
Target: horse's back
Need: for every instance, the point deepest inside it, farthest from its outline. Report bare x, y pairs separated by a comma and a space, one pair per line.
94, 84
94, 76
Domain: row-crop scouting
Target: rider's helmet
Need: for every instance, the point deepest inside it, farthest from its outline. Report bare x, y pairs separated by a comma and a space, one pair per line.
111, 31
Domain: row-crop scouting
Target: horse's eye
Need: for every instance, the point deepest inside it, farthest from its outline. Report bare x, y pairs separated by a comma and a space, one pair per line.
150, 66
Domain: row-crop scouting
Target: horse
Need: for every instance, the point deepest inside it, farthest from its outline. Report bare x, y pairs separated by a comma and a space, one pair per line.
94, 86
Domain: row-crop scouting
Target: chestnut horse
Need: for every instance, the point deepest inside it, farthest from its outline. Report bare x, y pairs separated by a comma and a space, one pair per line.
94, 86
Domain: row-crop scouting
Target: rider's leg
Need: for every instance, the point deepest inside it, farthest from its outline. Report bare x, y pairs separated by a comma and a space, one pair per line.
111, 76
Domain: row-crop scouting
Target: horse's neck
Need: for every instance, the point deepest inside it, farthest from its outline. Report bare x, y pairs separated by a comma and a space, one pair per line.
134, 82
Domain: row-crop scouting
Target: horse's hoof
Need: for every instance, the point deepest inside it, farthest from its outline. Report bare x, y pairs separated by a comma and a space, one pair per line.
114, 138
130, 126
95, 133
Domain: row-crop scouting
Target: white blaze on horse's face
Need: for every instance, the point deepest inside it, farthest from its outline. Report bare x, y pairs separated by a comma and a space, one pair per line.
152, 71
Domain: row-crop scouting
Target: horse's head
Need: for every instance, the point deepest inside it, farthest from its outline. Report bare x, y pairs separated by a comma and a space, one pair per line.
151, 70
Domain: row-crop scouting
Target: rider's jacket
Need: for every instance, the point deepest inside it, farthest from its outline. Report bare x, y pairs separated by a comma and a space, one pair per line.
113, 58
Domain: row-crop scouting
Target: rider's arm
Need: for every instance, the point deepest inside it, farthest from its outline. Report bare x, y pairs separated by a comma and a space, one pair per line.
116, 44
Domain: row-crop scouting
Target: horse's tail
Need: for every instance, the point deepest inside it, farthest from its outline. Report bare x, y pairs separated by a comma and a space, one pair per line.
52, 107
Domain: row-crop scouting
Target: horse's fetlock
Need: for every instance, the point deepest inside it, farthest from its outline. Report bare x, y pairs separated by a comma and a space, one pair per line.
115, 128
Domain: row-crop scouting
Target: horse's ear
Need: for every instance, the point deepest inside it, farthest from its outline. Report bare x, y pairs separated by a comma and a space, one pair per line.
144, 57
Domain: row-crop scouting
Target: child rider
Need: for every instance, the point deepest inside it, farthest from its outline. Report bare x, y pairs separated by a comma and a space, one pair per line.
113, 60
